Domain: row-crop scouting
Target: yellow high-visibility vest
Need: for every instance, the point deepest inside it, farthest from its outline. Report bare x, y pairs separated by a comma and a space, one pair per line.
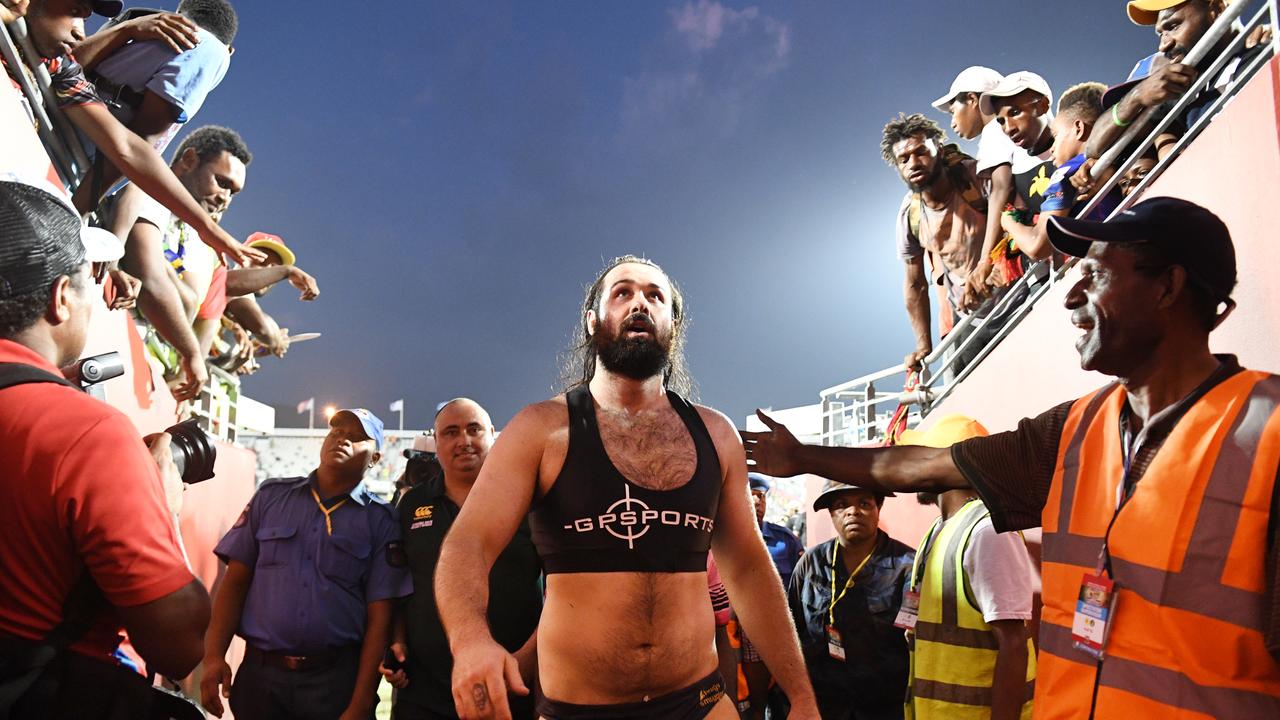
953, 650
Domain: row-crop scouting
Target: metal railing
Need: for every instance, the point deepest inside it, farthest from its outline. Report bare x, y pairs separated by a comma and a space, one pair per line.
857, 412
56, 132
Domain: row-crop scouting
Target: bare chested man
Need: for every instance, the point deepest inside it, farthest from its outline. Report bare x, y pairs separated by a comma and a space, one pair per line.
630, 484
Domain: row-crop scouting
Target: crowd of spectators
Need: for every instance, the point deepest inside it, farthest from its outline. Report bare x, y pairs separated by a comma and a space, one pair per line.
979, 222
943, 625
129, 89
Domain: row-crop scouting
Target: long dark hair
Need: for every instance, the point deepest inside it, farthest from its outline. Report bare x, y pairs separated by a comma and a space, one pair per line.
579, 363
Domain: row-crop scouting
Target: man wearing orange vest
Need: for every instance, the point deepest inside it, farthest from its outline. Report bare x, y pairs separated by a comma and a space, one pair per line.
1155, 493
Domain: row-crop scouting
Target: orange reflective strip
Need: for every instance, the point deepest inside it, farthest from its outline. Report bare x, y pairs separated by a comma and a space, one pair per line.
1242, 568
1058, 504
1157, 525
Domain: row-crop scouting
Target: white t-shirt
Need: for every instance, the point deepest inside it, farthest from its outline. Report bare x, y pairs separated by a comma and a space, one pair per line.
1000, 573
199, 260
995, 149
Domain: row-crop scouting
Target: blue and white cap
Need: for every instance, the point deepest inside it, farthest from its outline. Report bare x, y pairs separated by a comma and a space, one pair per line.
370, 422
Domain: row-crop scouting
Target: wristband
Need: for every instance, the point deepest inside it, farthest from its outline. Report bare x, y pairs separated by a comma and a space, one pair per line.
1115, 117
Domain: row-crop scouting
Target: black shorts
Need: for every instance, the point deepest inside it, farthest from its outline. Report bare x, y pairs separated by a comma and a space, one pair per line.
691, 703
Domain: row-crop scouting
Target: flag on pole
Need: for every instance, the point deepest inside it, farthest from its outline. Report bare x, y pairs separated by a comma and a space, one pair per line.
398, 406
307, 405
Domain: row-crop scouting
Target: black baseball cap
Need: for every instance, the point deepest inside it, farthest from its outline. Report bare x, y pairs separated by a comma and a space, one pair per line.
832, 489
1186, 233
107, 8
42, 238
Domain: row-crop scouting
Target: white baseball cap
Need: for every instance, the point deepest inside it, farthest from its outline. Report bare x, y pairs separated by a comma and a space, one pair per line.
1013, 84
974, 79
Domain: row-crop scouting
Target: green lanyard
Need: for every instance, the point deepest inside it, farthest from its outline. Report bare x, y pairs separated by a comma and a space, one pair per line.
835, 548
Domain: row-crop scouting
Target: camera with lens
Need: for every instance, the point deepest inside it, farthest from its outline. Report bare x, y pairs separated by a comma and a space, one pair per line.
193, 450
422, 466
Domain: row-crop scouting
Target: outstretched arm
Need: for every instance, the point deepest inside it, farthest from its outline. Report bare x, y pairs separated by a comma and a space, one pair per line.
483, 671
749, 575
896, 469
144, 166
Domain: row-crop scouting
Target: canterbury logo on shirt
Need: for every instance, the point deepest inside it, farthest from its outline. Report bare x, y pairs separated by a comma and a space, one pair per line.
630, 519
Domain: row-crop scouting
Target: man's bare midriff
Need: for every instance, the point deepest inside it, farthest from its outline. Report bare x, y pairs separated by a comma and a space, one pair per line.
608, 638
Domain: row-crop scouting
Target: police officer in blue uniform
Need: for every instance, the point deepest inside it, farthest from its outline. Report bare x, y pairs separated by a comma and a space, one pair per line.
784, 547
313, 570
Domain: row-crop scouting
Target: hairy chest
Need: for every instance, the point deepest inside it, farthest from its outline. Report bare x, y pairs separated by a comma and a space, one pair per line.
651, 449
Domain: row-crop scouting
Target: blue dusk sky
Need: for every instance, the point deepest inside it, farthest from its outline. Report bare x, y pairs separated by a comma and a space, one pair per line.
454, 174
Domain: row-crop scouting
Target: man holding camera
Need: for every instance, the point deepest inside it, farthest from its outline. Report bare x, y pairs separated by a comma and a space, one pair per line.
90, 547
423, 663
314, 567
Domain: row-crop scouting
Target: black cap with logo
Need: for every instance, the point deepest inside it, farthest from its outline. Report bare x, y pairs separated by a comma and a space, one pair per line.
1186, 233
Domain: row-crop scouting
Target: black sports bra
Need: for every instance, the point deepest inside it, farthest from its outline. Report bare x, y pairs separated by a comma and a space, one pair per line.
594, 520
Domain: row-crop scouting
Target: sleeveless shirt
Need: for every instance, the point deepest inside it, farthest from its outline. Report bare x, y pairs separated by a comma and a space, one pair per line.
595, 520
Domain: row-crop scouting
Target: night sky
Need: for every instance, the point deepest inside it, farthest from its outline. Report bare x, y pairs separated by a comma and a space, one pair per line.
454, 174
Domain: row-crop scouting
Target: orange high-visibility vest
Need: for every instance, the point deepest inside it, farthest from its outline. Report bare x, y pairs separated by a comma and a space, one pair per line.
1187, 554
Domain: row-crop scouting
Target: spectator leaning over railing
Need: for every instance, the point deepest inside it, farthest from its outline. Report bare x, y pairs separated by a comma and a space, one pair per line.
1161, 78
1022, 103
155, 69
245, 285
1159, 489
996, 160
941, 216
1078, 110
89, 544
182, 279
54, 28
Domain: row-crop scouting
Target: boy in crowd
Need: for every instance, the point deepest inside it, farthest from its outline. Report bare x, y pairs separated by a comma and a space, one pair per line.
1020, 103
995, 160
1078, 110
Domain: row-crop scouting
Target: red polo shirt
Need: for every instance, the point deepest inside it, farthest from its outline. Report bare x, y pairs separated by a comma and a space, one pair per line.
78, 488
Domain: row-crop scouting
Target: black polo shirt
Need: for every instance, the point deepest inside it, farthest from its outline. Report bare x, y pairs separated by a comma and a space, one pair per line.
515, 602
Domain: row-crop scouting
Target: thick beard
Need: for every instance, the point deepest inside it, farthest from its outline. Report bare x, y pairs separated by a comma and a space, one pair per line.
927, 498
934, 176
636, 358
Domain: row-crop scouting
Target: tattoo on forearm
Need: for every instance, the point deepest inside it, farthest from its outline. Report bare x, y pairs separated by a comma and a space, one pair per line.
480, 694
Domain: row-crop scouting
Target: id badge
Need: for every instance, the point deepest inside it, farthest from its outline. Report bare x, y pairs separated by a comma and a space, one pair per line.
909, 612
835, 644
1095, 611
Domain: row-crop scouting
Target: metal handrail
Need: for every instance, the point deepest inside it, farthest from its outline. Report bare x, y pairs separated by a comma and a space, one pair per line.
61, 126
35, 102
849, 408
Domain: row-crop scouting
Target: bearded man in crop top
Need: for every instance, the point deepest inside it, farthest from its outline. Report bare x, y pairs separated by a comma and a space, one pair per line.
627, 485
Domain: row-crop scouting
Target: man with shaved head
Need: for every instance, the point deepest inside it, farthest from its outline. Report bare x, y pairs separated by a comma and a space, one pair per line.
463, 433
630, 485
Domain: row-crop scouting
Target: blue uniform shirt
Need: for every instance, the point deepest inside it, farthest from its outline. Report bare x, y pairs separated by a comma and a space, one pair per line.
784, 547
310, 590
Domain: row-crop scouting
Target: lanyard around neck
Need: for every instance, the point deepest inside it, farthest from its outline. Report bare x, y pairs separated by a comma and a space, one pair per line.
328, 511
835, 549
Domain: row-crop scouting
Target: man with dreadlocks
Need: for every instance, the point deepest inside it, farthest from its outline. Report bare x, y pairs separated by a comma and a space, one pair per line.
943, 215
630, 484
